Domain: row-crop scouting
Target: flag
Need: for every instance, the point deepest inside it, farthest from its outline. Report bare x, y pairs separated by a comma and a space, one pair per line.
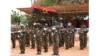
53, 12
37, 9
44, 11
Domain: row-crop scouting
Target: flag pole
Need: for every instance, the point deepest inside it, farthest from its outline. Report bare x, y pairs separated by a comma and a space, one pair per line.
31, 8
32, 12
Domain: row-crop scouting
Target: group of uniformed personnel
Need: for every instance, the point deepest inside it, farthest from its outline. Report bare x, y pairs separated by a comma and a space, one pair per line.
42, 37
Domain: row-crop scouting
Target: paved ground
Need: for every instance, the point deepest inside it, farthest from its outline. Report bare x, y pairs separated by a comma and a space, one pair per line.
62, 51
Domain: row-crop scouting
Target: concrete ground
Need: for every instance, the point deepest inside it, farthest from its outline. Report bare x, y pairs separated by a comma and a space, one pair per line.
74, 51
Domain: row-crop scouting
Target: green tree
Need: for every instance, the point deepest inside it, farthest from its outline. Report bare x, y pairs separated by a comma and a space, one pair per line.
15, 18
25, 19
48, 2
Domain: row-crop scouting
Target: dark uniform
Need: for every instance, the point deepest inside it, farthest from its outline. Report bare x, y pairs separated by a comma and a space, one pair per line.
22, 41
39, 40
27, 36
73, 33
33, 36
45, 39
50, 38
71, 37
55, 38
61, 37
67, 38
83, 37
13, 39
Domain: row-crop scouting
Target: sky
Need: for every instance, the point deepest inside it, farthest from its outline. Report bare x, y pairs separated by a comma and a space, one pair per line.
20, 4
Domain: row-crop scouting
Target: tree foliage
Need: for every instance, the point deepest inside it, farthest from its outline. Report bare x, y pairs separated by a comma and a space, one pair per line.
15, 18
20, 19
48, 2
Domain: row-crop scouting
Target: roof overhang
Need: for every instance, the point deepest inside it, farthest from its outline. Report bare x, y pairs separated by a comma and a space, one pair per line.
64, 10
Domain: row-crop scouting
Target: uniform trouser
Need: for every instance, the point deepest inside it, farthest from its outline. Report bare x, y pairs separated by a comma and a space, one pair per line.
73, 40
67, 42
82, 42
33, 43
45, 43
85, 41
45, 47
55, 48
39, 49
22, 47
13, 42
50, 40
27, 41
61, 40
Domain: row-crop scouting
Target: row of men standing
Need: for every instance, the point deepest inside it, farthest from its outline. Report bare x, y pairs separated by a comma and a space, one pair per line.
43, 37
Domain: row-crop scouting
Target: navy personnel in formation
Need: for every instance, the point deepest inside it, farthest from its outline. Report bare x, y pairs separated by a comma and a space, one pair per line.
83, 36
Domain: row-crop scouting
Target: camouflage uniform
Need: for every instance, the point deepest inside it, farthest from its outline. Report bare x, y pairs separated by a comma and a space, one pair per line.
45, 39
67, 38
39, 40
55, 38
22, 42
61, 37
33, 36
13, 39
50, 38
27, 36
73, 32
83, 37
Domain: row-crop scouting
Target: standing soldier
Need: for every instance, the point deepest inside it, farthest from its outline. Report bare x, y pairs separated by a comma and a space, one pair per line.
45, 39
21, 36
67, 37
61, 37
50, 38
85, 35
13, 39
83, 39
27, 36
39, 40
73, 30
55, 38
33, 36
